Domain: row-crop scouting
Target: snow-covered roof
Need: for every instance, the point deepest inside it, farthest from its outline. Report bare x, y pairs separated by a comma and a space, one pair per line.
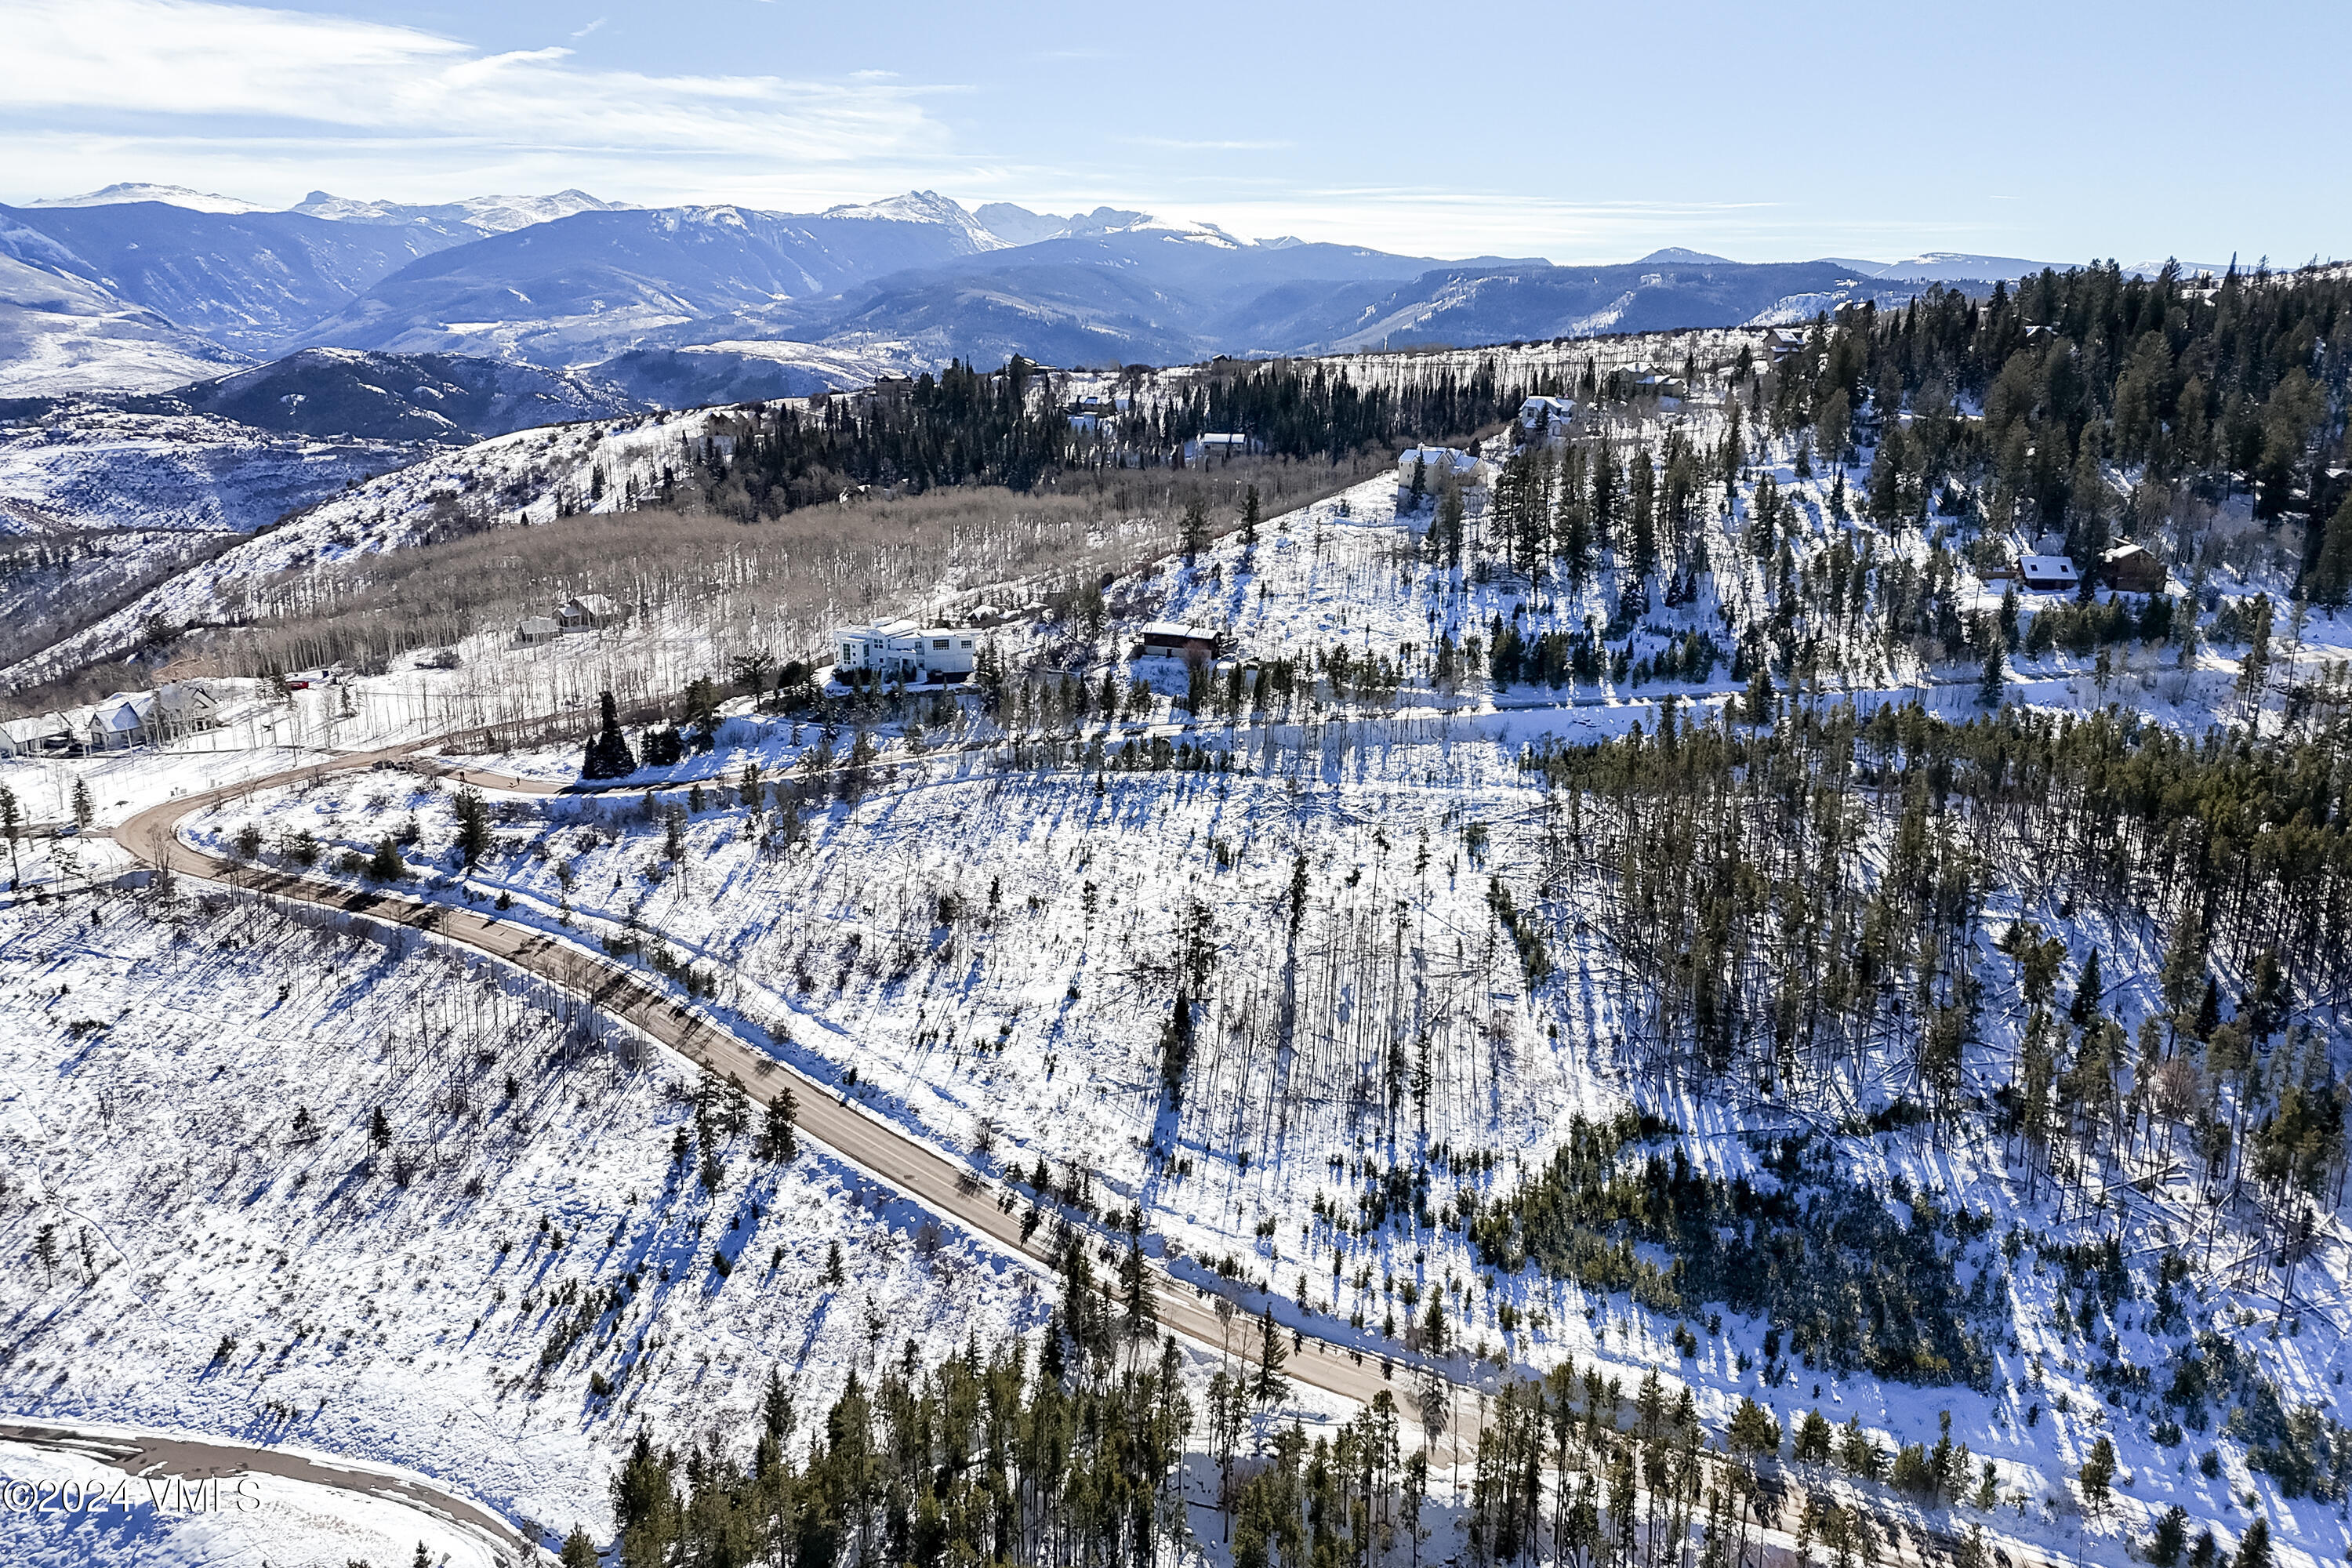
26, 729
2046, 566
1180, 629
883, 629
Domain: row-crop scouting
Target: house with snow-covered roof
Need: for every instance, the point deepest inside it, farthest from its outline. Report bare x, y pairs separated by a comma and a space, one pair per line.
2046, 573
1179, 639
50, 735
1436, 464
1228, 444
2128, 568
123, 720
185, 708
588, 612
1549, 414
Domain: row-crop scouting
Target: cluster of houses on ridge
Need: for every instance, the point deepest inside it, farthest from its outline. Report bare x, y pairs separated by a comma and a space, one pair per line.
124, 720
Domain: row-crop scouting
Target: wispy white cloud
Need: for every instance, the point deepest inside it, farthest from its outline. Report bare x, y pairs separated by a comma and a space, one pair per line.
589, 28
235, 82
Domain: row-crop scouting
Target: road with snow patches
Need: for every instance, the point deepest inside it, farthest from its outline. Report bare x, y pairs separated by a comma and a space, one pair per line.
945, 1186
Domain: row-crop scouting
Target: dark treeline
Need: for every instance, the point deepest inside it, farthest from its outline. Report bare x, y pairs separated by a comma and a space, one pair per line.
1009, 427
1844, 1282
2197, 386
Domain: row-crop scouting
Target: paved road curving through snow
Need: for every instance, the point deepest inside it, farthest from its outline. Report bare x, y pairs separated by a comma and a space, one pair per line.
945, 1186
155, 1455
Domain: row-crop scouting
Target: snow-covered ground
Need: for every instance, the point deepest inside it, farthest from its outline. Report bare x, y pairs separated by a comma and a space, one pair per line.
187, 1095
86, 467
80, 1509
986, 946
526, 477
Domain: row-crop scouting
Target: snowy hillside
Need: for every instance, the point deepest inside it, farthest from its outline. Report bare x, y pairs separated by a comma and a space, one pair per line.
96, 468
528, 476
452, 1295
61, 334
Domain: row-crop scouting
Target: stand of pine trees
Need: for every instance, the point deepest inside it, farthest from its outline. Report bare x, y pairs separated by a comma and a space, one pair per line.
1005, 427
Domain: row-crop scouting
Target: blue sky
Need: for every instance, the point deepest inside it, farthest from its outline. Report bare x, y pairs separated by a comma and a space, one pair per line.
2052, 130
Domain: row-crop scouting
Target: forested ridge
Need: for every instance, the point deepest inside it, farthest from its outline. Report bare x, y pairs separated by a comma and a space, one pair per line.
965, 426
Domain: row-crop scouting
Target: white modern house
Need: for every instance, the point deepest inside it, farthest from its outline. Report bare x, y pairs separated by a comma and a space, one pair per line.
904, 651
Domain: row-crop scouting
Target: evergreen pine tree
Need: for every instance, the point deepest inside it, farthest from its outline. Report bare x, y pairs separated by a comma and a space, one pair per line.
2098, 1473
2254, 1546
386, 865
1991, 686
1268, 1387
776, 1407
609, 756
2331, 574
1140, 1301
1195, 529
783, 1139
2254, 666
12, 827
473, 825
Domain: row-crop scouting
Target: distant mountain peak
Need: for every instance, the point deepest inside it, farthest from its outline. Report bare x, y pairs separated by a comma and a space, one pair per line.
491, 215
1674, 255
923, 206
169, 196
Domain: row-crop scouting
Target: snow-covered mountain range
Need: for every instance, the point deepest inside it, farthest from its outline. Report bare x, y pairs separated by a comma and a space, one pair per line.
143, 287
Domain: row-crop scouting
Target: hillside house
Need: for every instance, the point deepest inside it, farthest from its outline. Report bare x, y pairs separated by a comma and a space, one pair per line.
1230, 443
1179, 639
50, 735
588, 612
1468, 469
903, 651
1548, 415
1779, 342
185, 708
2128, 568
2046, 573
123, 720
537, 629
